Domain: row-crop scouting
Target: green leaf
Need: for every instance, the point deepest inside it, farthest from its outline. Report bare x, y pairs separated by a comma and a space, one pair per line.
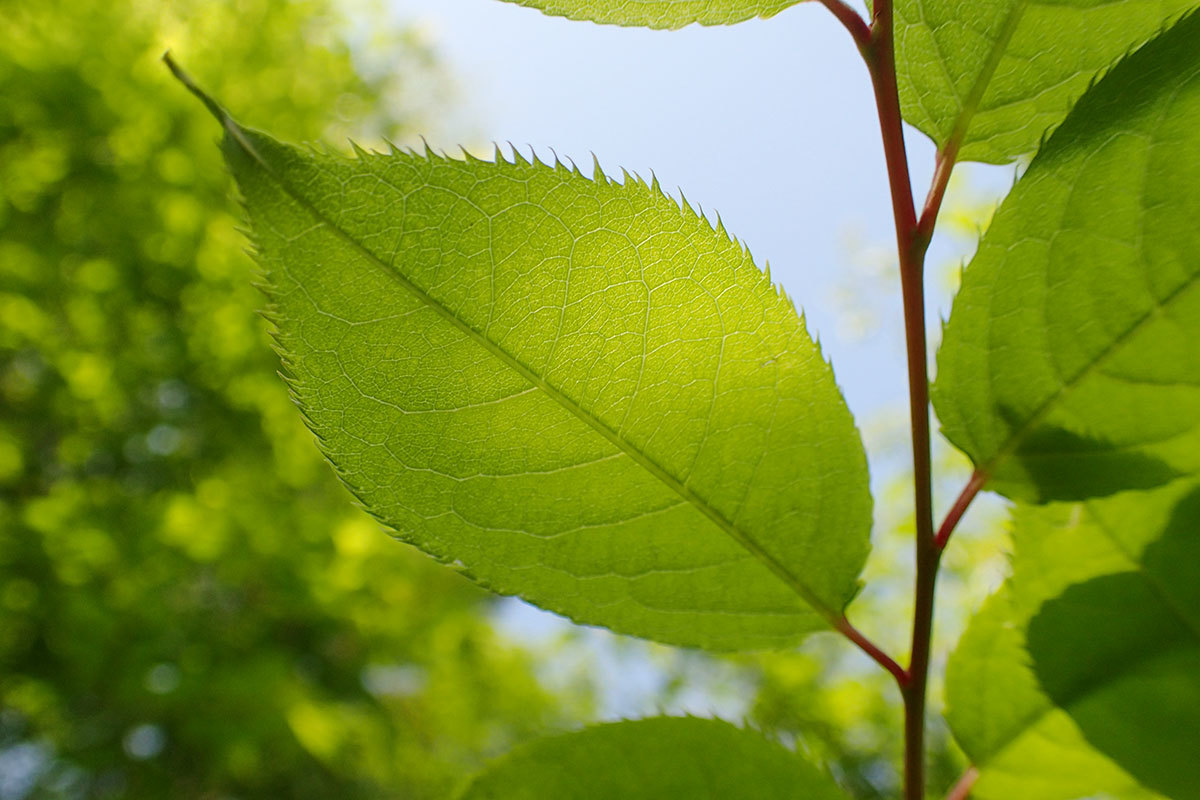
661, 757
1070, 366
997, 75
1024, 745
1121, 654
659, 13
575, 389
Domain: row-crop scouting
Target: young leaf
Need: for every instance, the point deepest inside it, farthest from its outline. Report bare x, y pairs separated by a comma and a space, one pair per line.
1121, 654
1023, 744
651, 759
575, 389
659, 13
996, 75
1070, 365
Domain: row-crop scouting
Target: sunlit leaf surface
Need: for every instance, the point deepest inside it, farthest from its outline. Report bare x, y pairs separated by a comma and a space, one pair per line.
575, 389
660, 13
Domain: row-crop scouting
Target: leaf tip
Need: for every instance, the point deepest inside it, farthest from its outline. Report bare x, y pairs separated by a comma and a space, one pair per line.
212, 105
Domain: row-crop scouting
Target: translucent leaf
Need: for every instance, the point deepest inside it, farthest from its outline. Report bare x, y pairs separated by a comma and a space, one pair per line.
1070, 365
1121, 654
651, 759
1023, 743
574, 389
999, 74
659, 13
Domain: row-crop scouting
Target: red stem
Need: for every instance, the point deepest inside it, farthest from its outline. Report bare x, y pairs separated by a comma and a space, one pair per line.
912, 242
946, 158
962, 789
911, 246
863, 36
978, 479
867, 646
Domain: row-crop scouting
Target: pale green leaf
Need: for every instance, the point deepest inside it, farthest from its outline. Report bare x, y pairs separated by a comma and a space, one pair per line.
1070, 366
1024, 745
659, 13
575, 389
1121, 654
654, 759
996, 75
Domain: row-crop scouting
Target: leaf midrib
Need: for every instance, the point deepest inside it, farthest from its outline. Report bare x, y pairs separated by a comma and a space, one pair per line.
1070, 384
793, 582
987, 71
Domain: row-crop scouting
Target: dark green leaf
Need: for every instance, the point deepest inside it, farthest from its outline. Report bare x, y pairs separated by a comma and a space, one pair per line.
1024, 745
1121, 653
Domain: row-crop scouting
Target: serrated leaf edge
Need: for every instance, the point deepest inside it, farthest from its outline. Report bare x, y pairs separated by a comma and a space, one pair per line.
237, 135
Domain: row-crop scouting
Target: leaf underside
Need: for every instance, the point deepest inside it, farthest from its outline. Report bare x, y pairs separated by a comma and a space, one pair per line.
650, 759
997, 75
1070, 365
668, 14
1121, 654
1025, 744
576, 390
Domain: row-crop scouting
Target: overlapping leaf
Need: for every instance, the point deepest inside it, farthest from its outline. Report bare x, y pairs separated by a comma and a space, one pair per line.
1121, 654
1071, 366
576, 390
1024, 745
652, 759
660, 13
996, 75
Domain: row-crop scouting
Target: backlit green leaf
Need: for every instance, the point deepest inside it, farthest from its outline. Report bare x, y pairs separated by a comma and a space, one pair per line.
1023, 743
653, 759
575, 389
1121, 654
998, 74
1071, 366
659, 13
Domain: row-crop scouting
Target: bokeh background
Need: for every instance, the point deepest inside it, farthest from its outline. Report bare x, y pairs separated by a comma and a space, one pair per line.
190, 606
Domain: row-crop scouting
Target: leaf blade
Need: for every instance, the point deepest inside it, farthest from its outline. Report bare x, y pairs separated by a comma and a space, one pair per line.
1069, 366
1120, 653
659, 14
1022, 742
653, 758
995, 77
653, 563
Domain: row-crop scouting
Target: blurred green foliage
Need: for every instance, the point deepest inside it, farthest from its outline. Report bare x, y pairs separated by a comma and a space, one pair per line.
189, 605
